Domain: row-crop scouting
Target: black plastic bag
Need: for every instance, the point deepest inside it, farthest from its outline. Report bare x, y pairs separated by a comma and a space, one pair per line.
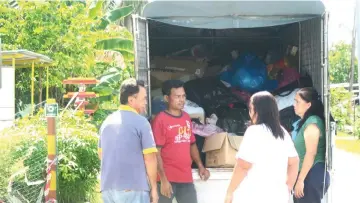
233, 119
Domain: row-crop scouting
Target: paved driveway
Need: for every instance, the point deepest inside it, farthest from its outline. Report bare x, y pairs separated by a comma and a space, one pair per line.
346, 178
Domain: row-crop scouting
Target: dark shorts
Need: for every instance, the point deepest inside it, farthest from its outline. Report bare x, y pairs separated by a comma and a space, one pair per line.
314, 184
183, 193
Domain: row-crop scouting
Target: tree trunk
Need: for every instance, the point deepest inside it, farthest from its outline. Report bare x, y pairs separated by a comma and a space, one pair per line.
40, 84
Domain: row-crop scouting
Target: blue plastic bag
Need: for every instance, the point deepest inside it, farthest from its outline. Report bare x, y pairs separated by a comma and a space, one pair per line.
251, 73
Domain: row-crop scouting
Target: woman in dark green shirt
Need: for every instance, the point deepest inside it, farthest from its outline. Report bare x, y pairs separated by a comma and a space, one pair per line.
310, 143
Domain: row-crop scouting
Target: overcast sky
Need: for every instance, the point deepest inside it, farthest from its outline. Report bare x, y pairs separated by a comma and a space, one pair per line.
341, 20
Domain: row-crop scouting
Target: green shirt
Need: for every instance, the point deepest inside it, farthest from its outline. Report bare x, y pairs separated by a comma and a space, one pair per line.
300, 141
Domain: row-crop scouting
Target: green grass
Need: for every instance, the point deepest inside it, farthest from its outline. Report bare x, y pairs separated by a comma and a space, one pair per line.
342, 134
348, 145
97, 197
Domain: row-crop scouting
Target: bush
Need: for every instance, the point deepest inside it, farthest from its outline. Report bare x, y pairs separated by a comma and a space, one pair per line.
341, 108
357, 122
78, 165
106, 108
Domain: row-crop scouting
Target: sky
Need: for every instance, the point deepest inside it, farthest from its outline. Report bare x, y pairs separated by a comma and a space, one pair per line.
341, 20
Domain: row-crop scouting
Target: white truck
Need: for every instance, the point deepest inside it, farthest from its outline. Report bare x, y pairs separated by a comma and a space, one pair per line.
166, 26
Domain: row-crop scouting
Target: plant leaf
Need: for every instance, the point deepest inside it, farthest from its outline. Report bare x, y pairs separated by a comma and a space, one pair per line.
95, 8
127, 54
119, 13
115, 44
114, 15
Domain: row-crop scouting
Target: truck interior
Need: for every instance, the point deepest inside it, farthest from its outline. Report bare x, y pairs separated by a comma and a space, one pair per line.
183, 30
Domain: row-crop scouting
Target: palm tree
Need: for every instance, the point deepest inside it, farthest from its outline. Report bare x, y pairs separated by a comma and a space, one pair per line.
119, 48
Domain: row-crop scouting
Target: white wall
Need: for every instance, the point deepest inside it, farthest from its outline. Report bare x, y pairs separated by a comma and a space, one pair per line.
7, 96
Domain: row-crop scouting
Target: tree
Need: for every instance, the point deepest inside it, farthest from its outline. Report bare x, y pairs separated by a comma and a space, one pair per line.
339, 61
55, 29
68, 34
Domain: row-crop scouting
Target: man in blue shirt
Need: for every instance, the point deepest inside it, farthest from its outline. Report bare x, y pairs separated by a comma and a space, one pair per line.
127, 150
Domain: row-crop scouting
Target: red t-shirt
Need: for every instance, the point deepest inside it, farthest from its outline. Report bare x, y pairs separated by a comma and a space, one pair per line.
174, 135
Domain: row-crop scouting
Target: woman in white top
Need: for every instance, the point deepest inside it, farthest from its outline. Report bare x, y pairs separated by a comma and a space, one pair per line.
267, 162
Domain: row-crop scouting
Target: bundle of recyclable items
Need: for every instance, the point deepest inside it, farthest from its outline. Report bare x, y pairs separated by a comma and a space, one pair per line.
218, 90
207, 129
248, 73
211, 94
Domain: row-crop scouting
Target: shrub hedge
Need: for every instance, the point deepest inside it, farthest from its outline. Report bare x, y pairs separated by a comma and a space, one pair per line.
24, 152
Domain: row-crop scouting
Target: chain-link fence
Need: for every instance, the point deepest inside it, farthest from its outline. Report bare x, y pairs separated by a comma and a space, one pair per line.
27, 184
23, 156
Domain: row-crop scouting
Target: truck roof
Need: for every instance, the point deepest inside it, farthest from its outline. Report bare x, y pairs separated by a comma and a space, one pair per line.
232, 14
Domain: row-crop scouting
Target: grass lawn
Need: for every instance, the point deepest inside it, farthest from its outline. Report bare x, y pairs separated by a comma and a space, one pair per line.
342, 134
348, 145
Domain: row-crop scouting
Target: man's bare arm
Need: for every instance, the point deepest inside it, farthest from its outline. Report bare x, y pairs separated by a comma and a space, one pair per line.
151, 168
195, 155
160, 167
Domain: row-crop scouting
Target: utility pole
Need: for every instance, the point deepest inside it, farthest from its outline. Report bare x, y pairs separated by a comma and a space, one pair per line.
352, 64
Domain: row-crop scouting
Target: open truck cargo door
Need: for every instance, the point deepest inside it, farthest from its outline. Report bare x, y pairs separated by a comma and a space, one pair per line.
330, 125
141, 50
173, 25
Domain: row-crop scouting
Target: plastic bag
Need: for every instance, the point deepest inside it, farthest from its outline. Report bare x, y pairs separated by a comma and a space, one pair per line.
251, 73
208, 129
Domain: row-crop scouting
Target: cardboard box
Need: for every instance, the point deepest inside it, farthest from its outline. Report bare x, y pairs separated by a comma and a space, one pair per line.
221, 149
181, 68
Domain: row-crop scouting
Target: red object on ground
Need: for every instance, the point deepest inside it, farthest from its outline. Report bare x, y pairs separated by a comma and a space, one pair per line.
89, 111
76, 81
81, 102
81, 95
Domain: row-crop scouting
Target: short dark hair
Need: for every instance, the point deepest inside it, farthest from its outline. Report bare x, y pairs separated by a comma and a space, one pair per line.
128, 88
169, 84
266, 109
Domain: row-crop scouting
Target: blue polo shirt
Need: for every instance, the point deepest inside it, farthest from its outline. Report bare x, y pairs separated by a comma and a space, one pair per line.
125, 136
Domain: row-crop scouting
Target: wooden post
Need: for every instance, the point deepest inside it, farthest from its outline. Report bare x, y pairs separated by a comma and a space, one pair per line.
32, 86
51, 112
47, 82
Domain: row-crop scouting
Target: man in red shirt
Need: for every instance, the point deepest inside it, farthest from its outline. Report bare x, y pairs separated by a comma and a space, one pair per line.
173, 135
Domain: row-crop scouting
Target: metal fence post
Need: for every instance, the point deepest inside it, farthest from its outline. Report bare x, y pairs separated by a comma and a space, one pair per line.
51, 111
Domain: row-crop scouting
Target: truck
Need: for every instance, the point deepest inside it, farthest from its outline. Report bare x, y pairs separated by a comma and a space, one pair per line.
165, 26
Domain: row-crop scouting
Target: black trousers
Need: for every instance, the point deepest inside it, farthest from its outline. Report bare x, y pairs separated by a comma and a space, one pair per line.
314, 184
183, 193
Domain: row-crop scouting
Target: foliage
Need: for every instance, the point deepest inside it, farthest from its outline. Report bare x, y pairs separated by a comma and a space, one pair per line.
109, 5
341, 109
357, 122
115, 15
110, 81
66, 34
339, 61
100, 115
56, 30
25, 148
